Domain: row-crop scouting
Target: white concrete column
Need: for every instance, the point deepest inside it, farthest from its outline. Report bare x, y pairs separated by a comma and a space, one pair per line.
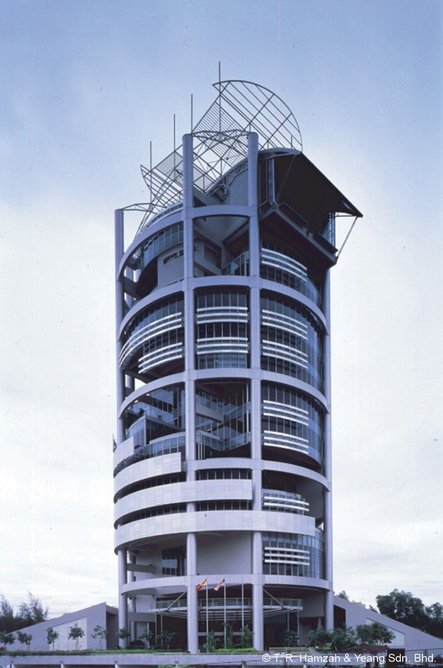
188, 259
122, 601
119, 250
132, 601
257, 591
191, 566
254, 240
329, 607
256, 441
254, 312
188, 203
255, 342
257, 616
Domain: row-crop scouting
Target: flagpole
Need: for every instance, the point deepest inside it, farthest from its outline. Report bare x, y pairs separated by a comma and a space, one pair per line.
207, 617
242, 604
224, 612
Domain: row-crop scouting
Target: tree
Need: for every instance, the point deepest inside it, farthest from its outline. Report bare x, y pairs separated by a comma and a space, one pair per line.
338, 639
319, 638
30, 612
6, 637
33, 611
211, 642
229, 635
24, 638
51, 636
434, 624
6, 615
146, 637
381, 635
404, 607
374, 634
342, 639
289, 638
165, 638
344, 595
101, 633
409, 609
245, 636
123, 634
75, 632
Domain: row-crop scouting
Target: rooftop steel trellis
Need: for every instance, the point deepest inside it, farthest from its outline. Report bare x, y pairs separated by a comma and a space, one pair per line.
220, 141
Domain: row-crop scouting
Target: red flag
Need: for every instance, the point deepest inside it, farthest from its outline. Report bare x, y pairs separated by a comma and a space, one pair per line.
220, 585
202, 584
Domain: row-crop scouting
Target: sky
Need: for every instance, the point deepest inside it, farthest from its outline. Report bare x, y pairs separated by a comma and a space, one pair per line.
86, 85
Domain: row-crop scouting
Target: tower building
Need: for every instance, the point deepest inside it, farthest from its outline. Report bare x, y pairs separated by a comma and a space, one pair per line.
223, 451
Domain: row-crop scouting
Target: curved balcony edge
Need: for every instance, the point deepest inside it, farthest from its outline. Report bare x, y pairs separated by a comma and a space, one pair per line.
215, 520
148, 468
181, 582
184, 492
165, 219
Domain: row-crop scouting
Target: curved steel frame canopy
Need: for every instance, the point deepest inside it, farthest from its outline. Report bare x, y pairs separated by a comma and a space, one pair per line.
220, 141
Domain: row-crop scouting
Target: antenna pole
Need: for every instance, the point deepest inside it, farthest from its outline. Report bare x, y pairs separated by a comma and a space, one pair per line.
173, 132
219, 96
150, 169
192, 113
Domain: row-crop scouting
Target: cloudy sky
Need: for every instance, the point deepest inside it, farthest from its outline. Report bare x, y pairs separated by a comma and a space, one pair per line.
86, 84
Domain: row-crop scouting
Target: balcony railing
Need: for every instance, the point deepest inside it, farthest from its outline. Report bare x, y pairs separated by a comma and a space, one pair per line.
161, 355
232, 602
226, 344
223, 440
281, 268
140, 336
281, 501
163, 446
279, 410
284, 322
239, 266
286, 555
222, 314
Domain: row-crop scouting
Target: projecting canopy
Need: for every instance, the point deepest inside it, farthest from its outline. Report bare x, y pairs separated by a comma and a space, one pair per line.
302, 187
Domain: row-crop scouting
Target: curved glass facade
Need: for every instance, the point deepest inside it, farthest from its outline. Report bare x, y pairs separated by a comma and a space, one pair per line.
149, 330
292, 340
280, 267
155, 245
291, 421
222, 452
278, 500
222, 421
155, 415
293, 555
223, 341
222, 338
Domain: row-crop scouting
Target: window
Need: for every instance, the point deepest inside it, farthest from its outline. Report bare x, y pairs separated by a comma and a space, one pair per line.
174, 561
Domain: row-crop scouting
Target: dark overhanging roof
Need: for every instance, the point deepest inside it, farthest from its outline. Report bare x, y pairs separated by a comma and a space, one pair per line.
302, 186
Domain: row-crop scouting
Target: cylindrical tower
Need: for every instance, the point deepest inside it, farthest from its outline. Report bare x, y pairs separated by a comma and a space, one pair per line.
222, 460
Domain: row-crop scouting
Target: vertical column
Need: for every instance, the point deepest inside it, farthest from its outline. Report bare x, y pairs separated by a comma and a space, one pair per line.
255, 343
132, 601
257, 591
188, 203
191, 561
122, 602
329, 605
254, 314
188, 258
119, 250
254, 241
